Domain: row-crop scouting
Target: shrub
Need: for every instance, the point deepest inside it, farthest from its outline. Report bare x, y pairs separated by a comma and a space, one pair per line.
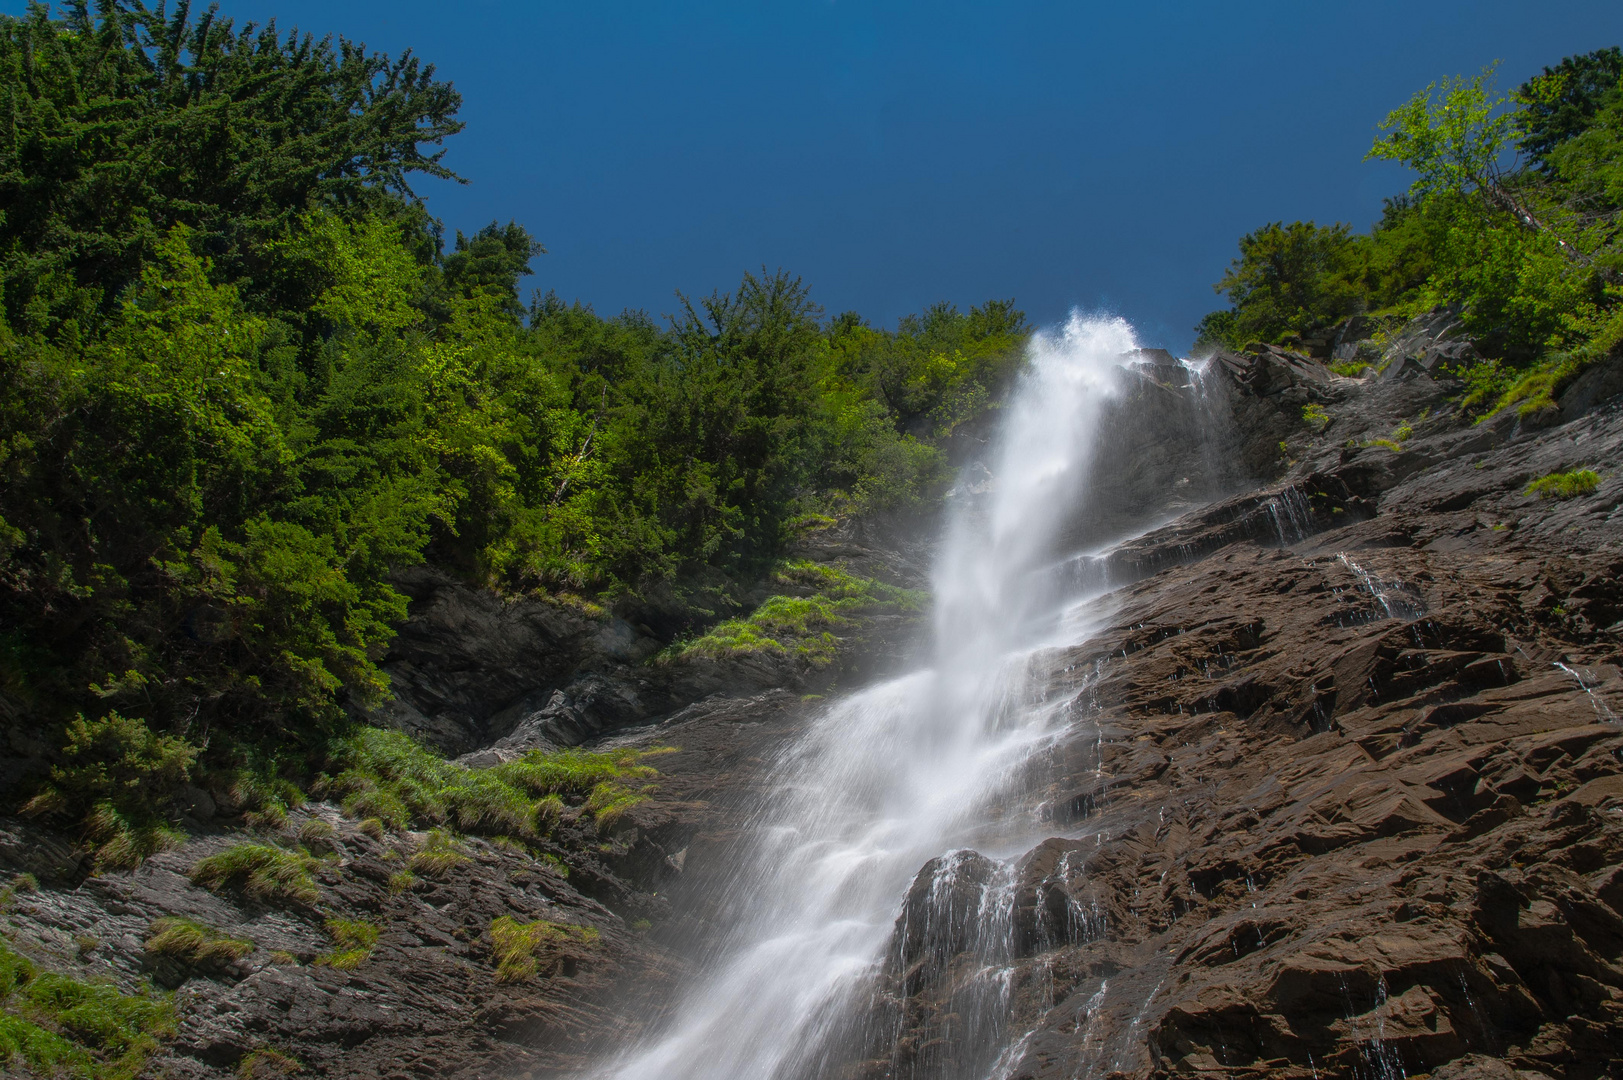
115, 774
514, 945
1315, 417
263, 872
194, 943
124, 844
1567, 485
353, 942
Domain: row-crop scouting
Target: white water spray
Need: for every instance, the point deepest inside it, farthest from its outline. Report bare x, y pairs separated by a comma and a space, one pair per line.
908, 771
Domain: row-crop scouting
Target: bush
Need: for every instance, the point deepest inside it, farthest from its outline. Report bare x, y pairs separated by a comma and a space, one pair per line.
1567, 485
193, 943
515, 946
115, 775
265, 873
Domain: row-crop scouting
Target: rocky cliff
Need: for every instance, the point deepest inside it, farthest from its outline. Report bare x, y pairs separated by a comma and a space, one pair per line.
1348, 801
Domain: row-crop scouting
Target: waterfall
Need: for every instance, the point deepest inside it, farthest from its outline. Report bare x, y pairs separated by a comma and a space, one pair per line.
931, 770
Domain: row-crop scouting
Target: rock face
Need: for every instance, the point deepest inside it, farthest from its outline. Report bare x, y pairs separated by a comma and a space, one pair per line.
1349, 798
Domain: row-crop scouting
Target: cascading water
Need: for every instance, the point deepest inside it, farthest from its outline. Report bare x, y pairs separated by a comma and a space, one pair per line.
910, 774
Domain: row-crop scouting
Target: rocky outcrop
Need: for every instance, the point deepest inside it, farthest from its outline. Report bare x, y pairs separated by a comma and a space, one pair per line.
1348, 800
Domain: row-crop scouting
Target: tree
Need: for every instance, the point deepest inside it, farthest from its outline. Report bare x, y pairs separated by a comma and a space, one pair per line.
1289, 279
1562, 102
115, 129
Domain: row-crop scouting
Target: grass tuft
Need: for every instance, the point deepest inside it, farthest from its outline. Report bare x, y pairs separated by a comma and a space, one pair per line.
515, 946
386, 773
194, 943
263, 872
1567, 485
353, 942
265, 1063
439, 853
56, 1024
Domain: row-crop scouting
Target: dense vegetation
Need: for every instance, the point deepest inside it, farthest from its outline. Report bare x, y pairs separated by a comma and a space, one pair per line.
1513, 221
244, 381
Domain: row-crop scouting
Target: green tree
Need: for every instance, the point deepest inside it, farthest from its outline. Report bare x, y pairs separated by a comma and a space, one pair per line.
1288, 280
119, 127
1562, 102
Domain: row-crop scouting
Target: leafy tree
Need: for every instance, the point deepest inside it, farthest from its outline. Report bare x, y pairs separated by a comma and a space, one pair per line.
1562, 102
1289, 280
119, 127
242, 387
1452, 134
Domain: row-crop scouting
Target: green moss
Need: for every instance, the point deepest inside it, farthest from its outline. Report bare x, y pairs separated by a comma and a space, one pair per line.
515, 946
827, 600
353, 942
57, 1024
194, 943
1567, 485
263, 872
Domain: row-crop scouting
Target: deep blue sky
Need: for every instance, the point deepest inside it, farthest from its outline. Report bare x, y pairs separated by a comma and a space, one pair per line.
895, 154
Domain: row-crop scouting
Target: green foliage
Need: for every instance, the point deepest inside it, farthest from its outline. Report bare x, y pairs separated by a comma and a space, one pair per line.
120, 128
1529, 257
1562, 102
516, 947
1452, 134
805, 625
269, 874
387, 775
1567, 485
353, 942
1289, 280
242, 385
194, 943
1315, 417
57, 1024
440, 852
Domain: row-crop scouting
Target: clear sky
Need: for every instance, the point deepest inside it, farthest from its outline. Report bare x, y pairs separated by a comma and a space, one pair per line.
1105, 156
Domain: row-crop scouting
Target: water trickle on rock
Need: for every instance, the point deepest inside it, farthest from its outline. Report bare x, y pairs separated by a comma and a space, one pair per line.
836, 924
